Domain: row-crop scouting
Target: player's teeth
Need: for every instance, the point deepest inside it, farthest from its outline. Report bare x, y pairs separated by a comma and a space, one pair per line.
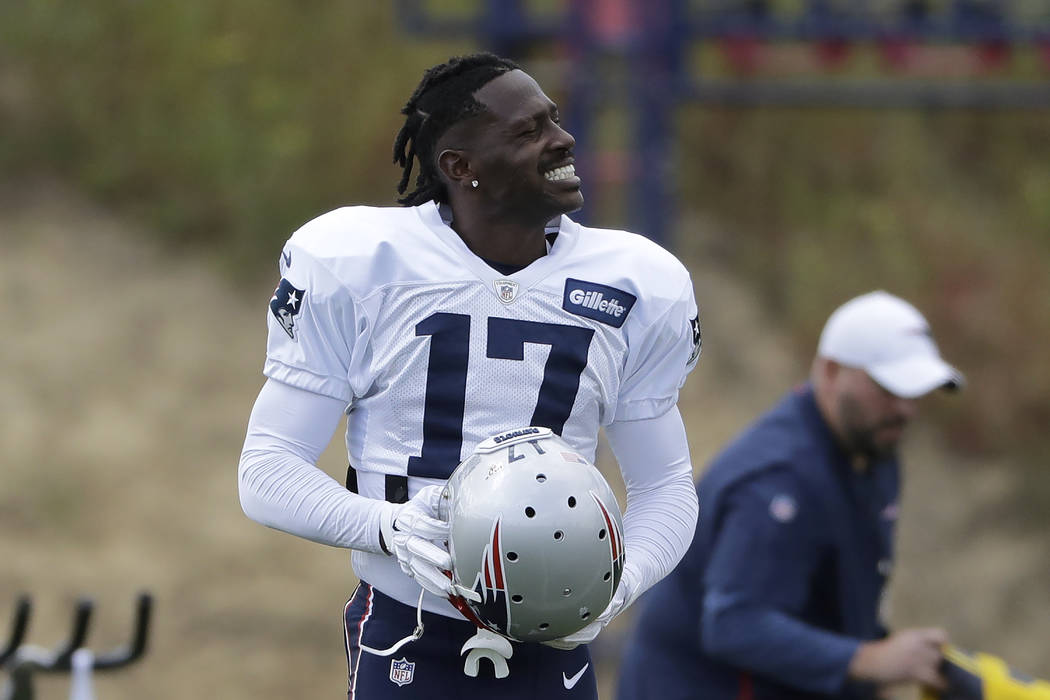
566, 171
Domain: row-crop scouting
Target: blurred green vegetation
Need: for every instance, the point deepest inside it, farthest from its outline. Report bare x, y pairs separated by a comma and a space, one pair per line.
221, 124
221, 127
948, 209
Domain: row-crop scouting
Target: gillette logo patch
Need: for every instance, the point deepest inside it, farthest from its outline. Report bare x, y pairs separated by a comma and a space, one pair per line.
597, 301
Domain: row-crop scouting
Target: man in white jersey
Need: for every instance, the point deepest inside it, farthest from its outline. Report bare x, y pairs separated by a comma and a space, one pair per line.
477, 307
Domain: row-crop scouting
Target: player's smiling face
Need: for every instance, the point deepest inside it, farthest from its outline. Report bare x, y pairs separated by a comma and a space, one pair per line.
521, 156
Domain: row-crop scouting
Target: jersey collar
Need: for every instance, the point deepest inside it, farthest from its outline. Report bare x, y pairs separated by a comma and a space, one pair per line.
438, 217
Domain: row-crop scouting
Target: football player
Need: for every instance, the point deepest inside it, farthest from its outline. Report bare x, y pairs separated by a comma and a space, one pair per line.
476, 307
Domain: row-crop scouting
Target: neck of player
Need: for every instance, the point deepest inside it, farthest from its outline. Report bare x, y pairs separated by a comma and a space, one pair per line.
499, 240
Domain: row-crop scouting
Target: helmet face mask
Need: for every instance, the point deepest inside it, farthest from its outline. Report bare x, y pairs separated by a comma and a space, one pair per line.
536, 533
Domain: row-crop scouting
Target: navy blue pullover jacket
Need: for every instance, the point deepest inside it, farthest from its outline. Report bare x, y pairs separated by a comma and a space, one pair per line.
784, 577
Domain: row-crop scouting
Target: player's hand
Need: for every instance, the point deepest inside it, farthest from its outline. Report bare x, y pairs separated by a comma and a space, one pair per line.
584, 636
413, 533
620, 600
908, 656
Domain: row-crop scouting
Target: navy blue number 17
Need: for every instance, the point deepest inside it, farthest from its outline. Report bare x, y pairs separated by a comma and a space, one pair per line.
447, 379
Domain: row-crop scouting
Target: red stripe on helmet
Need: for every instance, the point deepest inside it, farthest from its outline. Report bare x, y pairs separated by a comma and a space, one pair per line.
497, 557
614, 540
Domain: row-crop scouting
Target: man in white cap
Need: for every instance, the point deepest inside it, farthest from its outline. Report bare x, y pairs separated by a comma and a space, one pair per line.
875, 358
778, 595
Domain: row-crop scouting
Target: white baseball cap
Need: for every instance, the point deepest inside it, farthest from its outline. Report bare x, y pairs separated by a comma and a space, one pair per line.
890, 340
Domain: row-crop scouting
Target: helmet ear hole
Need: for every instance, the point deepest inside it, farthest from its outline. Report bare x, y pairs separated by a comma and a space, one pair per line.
585, 614
558, 534
512, 556
530, 512
601, 534
541, 478
516, 598
544, 625
607, 576
572, 501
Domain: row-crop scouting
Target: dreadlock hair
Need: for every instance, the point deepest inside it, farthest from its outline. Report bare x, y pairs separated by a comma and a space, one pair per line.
445, 96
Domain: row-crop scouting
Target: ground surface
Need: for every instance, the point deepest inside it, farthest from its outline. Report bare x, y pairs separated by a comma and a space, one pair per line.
125, 388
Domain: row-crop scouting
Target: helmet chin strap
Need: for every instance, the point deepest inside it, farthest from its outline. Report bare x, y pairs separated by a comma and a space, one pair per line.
416, 633
483, 645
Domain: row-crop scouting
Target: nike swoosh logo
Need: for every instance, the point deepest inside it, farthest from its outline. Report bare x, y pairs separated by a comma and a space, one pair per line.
570, 683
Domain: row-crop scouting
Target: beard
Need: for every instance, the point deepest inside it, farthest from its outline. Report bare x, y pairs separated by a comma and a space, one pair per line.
861, 434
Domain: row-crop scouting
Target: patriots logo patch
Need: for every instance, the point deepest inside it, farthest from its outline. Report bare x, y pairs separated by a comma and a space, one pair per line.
697, 340
285, 304
783, 508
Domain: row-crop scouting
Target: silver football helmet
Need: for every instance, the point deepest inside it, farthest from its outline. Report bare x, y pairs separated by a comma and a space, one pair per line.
535, 534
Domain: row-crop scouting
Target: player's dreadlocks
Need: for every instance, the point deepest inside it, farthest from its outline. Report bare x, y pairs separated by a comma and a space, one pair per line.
444, 97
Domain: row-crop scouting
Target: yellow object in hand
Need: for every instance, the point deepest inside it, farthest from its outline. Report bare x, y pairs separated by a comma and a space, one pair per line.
979, 676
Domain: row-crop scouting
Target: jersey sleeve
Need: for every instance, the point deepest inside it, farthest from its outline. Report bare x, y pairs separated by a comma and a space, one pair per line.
766, 517
662, 355
766, 557
316, 333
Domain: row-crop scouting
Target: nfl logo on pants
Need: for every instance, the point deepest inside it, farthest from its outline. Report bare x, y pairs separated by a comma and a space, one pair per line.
401, 671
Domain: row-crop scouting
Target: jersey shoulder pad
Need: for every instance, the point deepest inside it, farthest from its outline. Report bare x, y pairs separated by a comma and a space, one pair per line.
637, 265
636, 256
363, 248
350, 231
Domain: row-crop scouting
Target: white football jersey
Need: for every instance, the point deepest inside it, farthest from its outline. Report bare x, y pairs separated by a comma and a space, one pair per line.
433, 350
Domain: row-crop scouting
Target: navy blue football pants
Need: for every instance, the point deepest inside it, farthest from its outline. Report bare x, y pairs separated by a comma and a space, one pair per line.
431, 667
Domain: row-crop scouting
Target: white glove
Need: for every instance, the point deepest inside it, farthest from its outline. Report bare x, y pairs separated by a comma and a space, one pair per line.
486, 644
620, 600
412, 532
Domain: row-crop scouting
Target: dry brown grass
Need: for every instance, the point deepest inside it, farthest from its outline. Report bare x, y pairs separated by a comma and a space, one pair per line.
126, 383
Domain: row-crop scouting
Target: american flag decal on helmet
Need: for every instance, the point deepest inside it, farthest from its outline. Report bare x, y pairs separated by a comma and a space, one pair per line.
615, 540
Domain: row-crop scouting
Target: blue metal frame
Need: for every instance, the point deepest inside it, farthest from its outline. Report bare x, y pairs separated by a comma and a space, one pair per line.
655, 46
